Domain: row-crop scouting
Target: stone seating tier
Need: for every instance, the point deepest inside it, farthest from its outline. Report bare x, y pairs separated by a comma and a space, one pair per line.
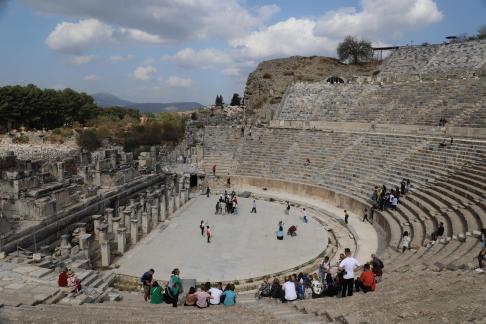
462, 58
460, 101
448, 182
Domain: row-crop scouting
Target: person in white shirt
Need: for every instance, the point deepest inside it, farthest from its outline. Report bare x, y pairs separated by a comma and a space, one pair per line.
290, 293
348, 265
305, 215
405, 241
216, 293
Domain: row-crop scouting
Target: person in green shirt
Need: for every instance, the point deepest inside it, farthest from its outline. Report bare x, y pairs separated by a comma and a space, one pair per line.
156, 295
175, 286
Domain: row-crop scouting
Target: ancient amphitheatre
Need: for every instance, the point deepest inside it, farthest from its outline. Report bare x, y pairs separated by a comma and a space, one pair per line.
376, 126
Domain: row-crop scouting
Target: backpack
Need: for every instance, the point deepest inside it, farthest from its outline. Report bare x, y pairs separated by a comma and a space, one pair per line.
381, 263
144, 278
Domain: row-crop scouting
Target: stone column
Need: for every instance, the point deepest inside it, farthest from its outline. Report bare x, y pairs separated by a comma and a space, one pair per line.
142, 202
109, 218
139, 216
155, 215
121, 239
174, 201
96, 224
102, 232
81, 228
65, 246
120, 213
132, 202
105, 254
178, 200
145, 223
127, 217
84, 244
116, 226
163, 209
84, 241
134, 231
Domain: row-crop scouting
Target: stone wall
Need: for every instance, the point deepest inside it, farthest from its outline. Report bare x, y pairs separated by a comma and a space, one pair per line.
266, 86
441, 61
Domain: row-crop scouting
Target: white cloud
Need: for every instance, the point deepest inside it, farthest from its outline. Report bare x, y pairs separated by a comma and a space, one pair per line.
232, 72
140, 36
379, 18
90, 77
144, 72
204, 58
178, 82
81, 59
159, 21
77, 37
290, 37
120, 58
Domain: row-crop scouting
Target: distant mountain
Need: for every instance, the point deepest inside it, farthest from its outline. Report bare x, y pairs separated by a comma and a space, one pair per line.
170, 106
109, 100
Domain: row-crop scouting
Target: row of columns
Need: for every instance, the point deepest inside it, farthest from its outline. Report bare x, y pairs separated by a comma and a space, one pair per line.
140, 216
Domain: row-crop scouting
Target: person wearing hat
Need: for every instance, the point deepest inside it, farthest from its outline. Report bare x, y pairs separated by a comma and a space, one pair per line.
73, 282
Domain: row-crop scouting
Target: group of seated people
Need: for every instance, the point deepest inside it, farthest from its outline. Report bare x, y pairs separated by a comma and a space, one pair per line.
208, 295
67, 278
202, 298
324, 284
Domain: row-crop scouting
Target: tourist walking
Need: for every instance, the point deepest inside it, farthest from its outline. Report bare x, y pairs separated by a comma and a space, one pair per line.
348, 265
346, 216
253, 209
365, 217
208, 191
146, 281
208, 233
305, 215
214, 169
201, 227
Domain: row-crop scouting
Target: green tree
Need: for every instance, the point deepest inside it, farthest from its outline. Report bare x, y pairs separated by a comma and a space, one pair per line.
354, 50
236, 100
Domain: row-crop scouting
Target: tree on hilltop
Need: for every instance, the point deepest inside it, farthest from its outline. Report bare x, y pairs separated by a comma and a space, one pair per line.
219, 101
236, 100
482, 32
354, 50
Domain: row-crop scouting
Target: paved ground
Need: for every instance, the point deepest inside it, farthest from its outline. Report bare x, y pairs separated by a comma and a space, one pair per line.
366, 236
243, 245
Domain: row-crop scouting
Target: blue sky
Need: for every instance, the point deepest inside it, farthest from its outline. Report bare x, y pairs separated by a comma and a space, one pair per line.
191, 50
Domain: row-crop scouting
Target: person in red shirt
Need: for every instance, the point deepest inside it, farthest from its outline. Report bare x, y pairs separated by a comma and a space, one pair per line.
208, 233
366, 280
62, 279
